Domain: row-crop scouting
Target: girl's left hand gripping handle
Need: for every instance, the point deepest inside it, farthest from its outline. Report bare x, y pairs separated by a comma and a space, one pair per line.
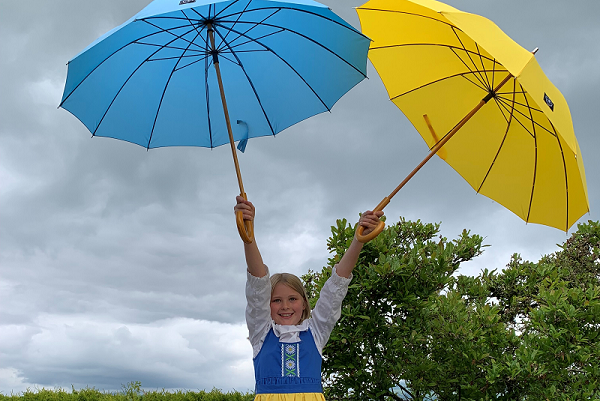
245, 227
366, 238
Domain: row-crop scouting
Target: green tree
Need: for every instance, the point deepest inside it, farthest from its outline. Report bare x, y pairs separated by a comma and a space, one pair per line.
554, 305
411, 329
379, 349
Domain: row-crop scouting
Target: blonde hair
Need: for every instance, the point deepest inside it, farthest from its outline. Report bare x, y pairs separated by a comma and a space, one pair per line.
295, 284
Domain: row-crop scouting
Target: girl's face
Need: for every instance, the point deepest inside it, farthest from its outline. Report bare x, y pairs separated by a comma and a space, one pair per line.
287, 305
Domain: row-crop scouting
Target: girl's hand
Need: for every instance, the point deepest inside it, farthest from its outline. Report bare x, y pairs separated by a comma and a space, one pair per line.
369, 220
244, 206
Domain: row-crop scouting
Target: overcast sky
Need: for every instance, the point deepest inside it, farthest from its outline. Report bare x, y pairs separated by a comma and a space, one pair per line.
120, 264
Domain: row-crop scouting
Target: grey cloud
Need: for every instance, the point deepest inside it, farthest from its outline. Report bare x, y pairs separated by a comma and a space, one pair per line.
120, 264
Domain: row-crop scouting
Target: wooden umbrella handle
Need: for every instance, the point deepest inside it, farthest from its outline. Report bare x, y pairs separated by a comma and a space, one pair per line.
366, 238
245, 227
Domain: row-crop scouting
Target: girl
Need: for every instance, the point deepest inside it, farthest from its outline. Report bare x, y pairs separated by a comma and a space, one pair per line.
287, 341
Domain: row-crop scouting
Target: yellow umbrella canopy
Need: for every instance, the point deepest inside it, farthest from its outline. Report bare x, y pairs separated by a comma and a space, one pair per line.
457, 75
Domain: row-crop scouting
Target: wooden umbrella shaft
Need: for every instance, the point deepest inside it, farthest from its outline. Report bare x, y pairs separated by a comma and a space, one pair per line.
445, 139
225, 110
245, 227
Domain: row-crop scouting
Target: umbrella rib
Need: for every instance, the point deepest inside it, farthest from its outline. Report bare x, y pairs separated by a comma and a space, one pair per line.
521, 123
238, 18
218, 22
303, 36
205, 51
452, 48
490, 84
500, 94
245, 73
221, 20
207, 96
407, 13
348, 27
476, 82
523, 105
289, 65
165, 47
476, 73
287, 30
165, 91
535, 163
255, 24
462, 74
249, 41
207, 86
102, 62
191, 63
508, 123
247, 51
251, 84
195, 56
517, 103
225, 8
454, 29
190, 24
562, 154
372, 48
207, 62
125, 83
252, 40
535, 123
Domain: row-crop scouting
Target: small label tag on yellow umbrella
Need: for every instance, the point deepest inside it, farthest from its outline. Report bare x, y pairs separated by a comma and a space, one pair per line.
549, 102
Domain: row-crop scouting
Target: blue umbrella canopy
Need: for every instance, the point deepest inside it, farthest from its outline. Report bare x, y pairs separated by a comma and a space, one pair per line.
150, 81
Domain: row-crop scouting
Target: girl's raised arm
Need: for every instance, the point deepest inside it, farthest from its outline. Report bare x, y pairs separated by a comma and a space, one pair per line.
369, 221
256, 267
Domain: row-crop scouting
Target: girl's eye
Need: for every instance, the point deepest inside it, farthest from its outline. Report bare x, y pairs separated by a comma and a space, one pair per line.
292, 299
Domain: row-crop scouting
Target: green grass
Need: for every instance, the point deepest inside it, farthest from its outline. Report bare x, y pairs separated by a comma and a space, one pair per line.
131, 392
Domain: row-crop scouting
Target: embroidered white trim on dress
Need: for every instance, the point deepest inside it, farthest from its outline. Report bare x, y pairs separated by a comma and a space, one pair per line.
282, 361
298, 359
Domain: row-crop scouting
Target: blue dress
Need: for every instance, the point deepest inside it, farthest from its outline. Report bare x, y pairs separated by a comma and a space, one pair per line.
288, 367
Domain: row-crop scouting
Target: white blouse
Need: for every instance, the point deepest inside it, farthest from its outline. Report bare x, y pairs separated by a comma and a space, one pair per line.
323, 318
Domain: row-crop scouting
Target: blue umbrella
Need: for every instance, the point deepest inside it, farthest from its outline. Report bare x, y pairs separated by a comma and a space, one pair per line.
178, 71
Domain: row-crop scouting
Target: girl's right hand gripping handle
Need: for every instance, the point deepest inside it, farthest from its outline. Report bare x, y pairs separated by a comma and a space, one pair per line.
245, 227
366, 238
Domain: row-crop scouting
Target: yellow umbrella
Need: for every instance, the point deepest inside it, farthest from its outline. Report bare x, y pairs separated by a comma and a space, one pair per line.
452, 72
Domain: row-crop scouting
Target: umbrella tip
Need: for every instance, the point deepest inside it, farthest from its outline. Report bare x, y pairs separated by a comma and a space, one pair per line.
535, 50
